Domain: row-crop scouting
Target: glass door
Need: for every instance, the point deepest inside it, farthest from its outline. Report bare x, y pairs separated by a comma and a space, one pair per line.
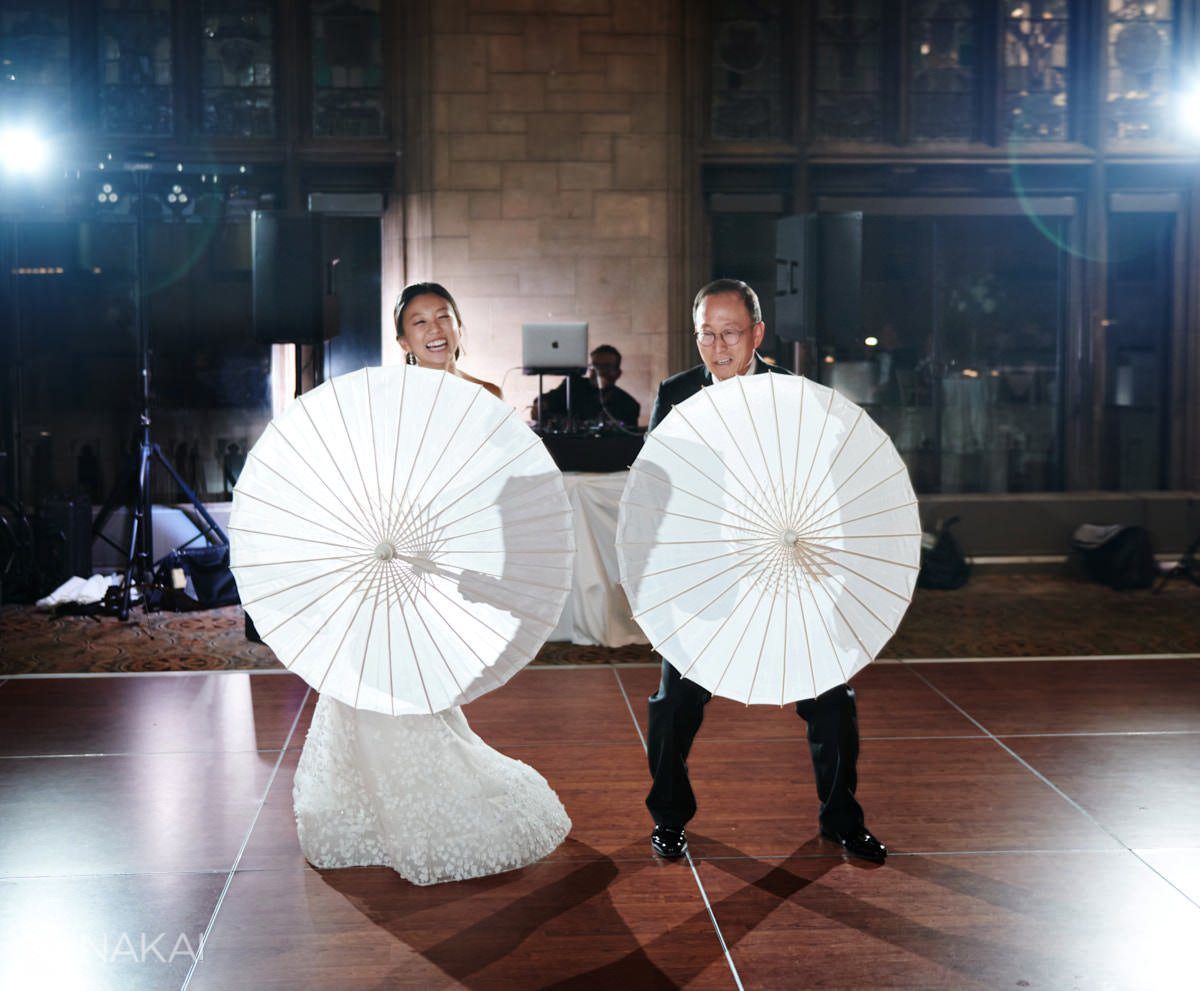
959, 357
1141, 253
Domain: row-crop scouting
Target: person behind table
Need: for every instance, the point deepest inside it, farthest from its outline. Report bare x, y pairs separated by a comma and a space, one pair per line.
595, 396
729, 328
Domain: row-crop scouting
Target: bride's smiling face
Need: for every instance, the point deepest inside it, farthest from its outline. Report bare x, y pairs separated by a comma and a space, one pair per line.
431, 331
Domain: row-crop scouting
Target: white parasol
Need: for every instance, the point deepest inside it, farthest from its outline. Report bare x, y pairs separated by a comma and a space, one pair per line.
401, 540
769, 539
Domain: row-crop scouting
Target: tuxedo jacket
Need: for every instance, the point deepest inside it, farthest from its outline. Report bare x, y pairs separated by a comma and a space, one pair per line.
686, 384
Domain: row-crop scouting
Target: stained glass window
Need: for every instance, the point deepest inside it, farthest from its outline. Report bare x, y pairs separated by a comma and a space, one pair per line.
848, 53
943, 57
1140, 39
35, 63
747, 72
136, 77
1035, 70
237, 94
347, 67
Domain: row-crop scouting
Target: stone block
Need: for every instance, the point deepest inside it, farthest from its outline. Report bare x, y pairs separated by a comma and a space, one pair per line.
640, 16
591, 246
534, 177
578, 6
451, 255
460, 112
553, 137
504, 239
450, 214
503, 123
474, 175
634, 74
622, 215
595, 148
495, 23
519, 92
506, 53
470, 285
577, 82
459, 63
551, 44
502, 6
640, 161
606, 123
449, 18
548, 277
619, 44
487, 147
585, 175
649, 117
590, 102
483, 206
602, 285
573, 204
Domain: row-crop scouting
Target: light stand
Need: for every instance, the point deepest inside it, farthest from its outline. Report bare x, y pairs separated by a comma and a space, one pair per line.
139, 552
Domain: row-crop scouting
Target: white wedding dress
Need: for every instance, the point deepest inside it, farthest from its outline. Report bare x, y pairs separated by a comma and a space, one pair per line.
423, 795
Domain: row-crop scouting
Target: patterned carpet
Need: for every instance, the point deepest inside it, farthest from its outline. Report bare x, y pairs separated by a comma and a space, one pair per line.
1001, 615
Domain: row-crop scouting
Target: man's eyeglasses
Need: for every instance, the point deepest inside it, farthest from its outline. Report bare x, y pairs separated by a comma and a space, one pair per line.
706, 338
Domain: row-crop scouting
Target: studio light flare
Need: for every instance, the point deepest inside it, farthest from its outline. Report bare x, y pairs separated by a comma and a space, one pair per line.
23, 151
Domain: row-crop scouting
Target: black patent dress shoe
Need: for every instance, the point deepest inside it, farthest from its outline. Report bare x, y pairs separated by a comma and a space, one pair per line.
668, 843
859, 843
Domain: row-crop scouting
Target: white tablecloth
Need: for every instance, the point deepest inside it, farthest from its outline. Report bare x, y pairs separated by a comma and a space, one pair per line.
597, 611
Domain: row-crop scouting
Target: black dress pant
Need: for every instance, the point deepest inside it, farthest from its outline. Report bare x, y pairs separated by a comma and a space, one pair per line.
676, 712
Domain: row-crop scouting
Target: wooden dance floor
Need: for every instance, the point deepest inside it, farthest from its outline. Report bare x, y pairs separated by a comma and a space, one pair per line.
1043, 819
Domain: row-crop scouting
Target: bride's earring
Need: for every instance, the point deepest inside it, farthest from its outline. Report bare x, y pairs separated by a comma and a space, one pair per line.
410, 358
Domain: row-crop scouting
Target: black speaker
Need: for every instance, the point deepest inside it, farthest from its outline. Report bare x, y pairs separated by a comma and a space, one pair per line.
818, 275
62, 542
795, 267
839, 293
291, 302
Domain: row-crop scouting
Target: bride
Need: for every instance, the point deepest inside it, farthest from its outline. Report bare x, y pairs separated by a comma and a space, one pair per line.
420, 794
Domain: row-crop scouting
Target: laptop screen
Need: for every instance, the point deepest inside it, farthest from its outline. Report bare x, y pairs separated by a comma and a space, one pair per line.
554, 348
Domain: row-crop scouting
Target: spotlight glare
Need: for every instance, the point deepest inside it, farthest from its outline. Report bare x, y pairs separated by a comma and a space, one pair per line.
1188, 113
22, 150
871, 341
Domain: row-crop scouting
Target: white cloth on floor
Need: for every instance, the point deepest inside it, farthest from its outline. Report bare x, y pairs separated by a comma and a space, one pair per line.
422, 794
84, 591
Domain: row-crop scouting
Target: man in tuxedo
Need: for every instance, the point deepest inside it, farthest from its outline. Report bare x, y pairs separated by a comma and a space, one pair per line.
729, 328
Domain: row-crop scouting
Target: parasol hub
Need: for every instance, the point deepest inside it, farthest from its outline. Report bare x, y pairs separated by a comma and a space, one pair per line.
789, 538
385, 551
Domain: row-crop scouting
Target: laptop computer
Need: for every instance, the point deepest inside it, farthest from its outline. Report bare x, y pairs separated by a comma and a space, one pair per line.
554, 348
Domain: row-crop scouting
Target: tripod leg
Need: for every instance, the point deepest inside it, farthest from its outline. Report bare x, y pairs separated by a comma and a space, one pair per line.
116, 498
138, 533
192, 497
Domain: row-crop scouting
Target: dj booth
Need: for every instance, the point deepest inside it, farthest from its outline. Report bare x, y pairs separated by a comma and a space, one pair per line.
593, 452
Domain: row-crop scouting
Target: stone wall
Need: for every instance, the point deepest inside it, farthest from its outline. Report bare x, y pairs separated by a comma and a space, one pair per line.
539, 180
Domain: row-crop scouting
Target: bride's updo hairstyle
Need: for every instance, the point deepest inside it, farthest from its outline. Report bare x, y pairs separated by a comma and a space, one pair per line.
411, 292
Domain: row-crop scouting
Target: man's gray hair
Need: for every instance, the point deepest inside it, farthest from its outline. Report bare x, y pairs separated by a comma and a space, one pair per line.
749, 296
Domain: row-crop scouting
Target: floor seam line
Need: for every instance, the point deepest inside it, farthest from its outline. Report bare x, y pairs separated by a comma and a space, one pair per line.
1055, 788
712, 915
242, 849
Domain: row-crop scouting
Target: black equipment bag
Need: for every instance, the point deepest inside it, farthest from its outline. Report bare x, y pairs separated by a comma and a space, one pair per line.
197, 578
943, 564
1121, 557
